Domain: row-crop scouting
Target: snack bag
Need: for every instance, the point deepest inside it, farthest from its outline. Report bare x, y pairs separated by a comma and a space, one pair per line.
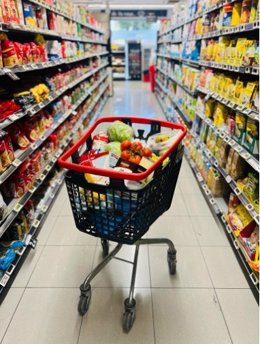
251, 136
240, 128
4, 157
245, 12
29, 14
240, 220
9, 54
236, 14
238, 167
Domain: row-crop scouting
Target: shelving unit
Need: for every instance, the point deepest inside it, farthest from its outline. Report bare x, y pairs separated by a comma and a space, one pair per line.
170, 91
119, 61
95, 84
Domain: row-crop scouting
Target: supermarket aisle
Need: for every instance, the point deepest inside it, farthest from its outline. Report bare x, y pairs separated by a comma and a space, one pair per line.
206, 302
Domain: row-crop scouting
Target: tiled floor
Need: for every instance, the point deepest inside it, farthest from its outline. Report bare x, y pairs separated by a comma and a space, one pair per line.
206, 302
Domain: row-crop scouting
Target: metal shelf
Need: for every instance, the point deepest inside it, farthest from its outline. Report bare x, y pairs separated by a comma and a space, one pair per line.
21, 156
235, 69
42, 65
236, 107
249, 158
243, 198
32, 110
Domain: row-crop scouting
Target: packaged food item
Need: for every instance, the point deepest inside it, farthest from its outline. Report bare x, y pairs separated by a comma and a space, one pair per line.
3, 207
233, 202
253, 12
30, 129
240, 219
41, 16
36, 163
251, 136
9, 55
227, 9
250, 241
4, 156
236, 13
238, 167
245, 11
246, 96
215, 182
29, 14
18, 138
14, 13
209, 108
240, 128
250, 187
229, 160
223, 154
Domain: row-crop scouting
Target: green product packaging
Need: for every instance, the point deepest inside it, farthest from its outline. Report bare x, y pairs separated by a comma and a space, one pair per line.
251, 136
240, 128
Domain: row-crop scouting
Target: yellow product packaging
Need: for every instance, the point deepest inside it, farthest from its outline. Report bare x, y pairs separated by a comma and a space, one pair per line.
253, 11
220, 115
251, 189
237, 92
221, 84
223, 43
236, 14
199, 26
240, 219
215, 52
241, 47
240, 128
229, 94
246, 96
210, 48
222, 155
209, 108
215, 182
211, 140
229, 160
238, 167
227, 84
213, 83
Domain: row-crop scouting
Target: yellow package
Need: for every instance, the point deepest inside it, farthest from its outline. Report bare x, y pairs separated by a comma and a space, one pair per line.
221, 84
213, 83
236, 14
253, 11
199, 27
220, 115
247, 94
237, 92
215, 52
229, 94
241, 46
210, 48
209, 108
239, 219
223, 43
227, 83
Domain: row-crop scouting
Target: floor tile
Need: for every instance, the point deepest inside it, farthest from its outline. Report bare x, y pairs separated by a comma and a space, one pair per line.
178, 207
118, 273
103, 323
188, 316
62, 266
191, 269
177, 229
27, 267
241, 313
186, 171
66, 207
196, 205
8, 307
46, 229
209, 232
66, 233
189, 186
57, 206
224, 268
45, 316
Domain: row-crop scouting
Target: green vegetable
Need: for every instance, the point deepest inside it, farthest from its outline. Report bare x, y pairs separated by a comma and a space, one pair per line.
114, 147
119, 131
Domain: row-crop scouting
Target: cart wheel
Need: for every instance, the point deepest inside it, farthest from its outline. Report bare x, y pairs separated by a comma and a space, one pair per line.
172, 262
105, 247
128, 316
84, 301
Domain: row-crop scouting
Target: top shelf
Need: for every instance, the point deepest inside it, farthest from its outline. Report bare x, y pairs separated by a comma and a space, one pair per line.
53, 9
209, 10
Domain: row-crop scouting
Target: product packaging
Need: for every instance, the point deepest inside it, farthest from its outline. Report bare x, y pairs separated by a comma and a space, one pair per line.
251, 136
29, 14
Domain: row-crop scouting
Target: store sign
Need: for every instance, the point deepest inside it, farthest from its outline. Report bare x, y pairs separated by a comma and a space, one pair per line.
138, 13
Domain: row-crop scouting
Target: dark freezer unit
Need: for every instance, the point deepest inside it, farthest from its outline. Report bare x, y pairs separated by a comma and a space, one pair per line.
135, 60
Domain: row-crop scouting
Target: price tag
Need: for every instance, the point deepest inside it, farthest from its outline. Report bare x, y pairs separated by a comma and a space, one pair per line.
207, 192
13, 118
228, 179
43, 138
247, 111
52, 195
245, 155
61, 120
216, 164
238, 149
48, 168
44, 208
32, 190
59, 181
17, 207
237, 191
249, 207
42, 177
212, 201
34, 146
54, 160
226, 139
17, 162
4, 280
36, 223
228, 229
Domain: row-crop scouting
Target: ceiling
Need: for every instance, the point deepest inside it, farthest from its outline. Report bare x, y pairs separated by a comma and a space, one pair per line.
127, 4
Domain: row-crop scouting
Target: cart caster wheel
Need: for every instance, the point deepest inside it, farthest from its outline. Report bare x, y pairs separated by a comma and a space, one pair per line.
105, 247
129, 316
172, 262
84, 301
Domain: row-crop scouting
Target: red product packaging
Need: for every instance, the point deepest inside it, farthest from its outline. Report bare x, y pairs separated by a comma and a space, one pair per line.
30, 130
51, 21
18, 137
36, 163
9, 147
5, 11
26, 171
53, 138
4, 157
9, 53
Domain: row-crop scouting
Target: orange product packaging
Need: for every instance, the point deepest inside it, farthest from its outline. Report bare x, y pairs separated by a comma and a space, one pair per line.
14, 14
5, 11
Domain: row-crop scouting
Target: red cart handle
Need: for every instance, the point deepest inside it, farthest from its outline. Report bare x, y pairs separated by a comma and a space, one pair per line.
116, 174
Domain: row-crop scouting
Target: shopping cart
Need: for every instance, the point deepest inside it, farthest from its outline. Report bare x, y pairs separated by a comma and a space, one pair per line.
113, 212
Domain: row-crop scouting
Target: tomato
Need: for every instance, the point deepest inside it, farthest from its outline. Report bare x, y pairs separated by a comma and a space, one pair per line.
136, 146
135, 158
147, 152
126, 154
125, 145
